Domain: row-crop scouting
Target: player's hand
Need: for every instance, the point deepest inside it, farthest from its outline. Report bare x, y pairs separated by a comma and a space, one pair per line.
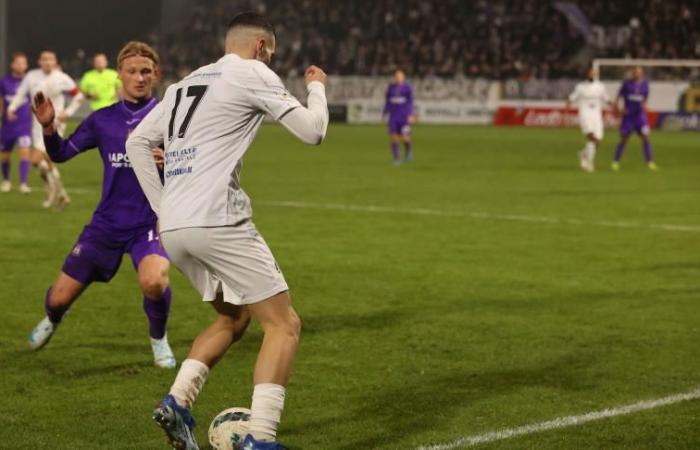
159, 157
11, 116
43, 110
314, 73
63, 117
412, 119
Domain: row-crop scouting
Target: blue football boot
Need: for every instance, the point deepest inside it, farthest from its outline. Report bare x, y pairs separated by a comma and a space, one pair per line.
251, 444
177, 422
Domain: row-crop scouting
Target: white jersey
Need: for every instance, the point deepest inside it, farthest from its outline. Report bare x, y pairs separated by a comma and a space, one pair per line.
590, 97
54, 85
207, 122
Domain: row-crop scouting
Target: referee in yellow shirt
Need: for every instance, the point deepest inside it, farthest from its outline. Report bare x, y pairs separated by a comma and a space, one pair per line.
101, 84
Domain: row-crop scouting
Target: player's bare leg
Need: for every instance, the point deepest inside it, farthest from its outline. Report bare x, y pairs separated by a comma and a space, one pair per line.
282, 328
173, 413
59, 297
154, 282
395, 154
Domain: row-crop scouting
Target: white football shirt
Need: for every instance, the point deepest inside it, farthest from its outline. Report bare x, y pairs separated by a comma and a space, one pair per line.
207, 122
590, 97
55, 86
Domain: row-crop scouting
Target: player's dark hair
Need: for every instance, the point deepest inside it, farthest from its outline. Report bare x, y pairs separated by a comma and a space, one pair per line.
251, 19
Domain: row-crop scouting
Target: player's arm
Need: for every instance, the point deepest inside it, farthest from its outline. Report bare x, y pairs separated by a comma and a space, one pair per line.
573, 97
311, 123
385, 111
411, 106
58, 149
18, 99
147, 136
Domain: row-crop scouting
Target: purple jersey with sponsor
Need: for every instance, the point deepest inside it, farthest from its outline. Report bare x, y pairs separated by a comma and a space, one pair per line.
399, 102
123, 206
634, 94
23, 125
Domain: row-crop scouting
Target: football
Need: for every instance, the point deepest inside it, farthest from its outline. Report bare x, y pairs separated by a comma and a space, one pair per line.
229, 428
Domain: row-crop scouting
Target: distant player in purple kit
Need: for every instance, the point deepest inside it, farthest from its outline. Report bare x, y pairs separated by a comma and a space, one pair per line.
634, 92
18, 132
123, 221
400, 112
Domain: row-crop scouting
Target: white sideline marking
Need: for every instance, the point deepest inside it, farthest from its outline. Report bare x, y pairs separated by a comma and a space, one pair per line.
480, 215
563, 422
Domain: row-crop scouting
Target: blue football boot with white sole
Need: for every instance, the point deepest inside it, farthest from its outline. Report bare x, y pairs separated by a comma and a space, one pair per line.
177, 422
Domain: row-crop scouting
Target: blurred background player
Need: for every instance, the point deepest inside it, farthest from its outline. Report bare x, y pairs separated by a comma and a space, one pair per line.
123, 221
55, 85
101, 84
634, 94
18, 132
399, 111
590, 97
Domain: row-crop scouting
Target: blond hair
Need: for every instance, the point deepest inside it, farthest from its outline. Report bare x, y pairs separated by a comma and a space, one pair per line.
136, 48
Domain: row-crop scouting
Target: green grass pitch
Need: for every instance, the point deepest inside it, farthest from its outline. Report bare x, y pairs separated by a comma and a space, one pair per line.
527, 292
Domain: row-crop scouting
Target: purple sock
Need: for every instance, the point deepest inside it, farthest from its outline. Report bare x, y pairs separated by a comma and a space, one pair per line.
647, 151
24, 166
619, 150
5, 170
54, 314
157, 312
395, 151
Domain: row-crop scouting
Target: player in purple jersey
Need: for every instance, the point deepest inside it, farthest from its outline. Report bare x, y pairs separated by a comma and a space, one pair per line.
400, 114
18, 132
634, 93
123, 221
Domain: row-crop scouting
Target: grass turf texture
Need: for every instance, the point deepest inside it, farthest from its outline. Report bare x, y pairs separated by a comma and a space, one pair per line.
417, 328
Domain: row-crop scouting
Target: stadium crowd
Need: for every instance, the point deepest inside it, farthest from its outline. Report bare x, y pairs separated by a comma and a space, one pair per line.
492, 39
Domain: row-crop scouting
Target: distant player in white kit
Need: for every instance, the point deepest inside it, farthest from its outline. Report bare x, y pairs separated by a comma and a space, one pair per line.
590, 97
207, 122
55, 85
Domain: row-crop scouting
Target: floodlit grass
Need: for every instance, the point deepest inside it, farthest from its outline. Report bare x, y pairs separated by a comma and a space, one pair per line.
418, 328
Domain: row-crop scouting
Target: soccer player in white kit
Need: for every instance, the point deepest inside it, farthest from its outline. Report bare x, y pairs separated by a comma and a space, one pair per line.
590, 96
207, 122
55, 85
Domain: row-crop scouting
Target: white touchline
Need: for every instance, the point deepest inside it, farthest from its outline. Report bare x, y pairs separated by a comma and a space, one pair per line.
479, 215
563, 422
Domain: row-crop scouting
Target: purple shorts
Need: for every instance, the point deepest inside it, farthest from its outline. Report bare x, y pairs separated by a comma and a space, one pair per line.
634, 124
97, 255
9, 139
400, 126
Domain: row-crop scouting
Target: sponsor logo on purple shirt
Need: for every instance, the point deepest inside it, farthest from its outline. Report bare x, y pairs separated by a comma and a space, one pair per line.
635, 94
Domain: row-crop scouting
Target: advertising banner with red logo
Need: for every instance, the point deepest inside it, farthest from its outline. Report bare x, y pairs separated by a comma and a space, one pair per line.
552, 117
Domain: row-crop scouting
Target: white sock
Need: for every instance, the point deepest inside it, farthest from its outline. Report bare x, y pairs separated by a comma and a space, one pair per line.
46, 173
189, 382
590, 151
58, 183
266, 411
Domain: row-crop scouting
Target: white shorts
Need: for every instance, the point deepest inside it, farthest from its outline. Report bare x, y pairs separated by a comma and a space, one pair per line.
232, 260
592, 123
38, 134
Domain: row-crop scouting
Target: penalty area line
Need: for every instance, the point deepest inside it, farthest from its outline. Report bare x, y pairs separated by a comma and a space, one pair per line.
564, 422
479, 215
